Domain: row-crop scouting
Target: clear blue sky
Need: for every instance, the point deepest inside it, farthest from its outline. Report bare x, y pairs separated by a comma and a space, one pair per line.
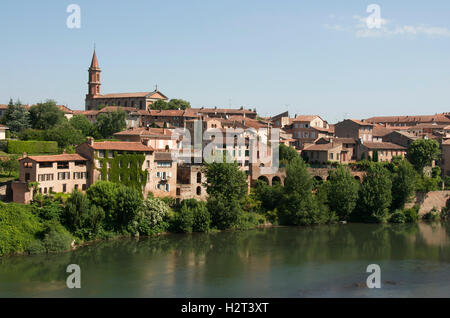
309, 57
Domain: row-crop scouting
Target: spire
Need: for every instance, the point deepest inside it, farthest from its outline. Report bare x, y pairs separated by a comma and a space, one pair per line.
94, 63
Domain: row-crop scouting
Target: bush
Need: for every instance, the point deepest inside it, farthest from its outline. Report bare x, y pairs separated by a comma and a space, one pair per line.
152, 218
192, 217
55, 238
397, 217
411, 215
249, 220
432, 215
18, 228
184, 220
32, 146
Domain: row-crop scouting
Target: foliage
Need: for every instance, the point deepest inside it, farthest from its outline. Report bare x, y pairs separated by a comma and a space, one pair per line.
286, 154
432, 215
269, 196
125, 169
55, 238
422, 152
46, 115
103, 194
16, 117
20, 146
107, 124
192, 217
10, 165
403, 184
224, 213
225, 179
375, 156
152, 218
397, 217
18, 228
342, 192
172, 104
184, 219
249, 220
411, 214
426, 184
65, 135
81, 123
51, 209
374, 195
128, 203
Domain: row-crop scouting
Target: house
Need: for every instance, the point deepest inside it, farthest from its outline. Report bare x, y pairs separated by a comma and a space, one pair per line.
395, 122
308, 128
157, 138
3, 130
326, 152
354, 128
54, 173
386, 150
400, 137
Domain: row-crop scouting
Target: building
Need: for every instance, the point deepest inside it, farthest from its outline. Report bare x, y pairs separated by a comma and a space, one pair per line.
55, 173
400, 137
325, 153
386, 150
306, 129
3, 130
94, 98
408, 121
157, 138
354, 128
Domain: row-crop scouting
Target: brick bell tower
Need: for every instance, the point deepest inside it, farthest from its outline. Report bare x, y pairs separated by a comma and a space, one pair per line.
94, 83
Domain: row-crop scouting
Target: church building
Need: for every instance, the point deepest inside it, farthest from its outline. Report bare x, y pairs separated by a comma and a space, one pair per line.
94, 98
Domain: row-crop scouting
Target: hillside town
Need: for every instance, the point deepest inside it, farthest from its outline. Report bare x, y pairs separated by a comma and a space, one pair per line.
153, 135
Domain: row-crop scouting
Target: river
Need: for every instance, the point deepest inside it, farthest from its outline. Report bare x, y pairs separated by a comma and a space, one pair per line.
319, 261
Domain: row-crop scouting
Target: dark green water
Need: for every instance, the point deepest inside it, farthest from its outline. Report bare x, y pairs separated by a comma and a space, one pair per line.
323, 261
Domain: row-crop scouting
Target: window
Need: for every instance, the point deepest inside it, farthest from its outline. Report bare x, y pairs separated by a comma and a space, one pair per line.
27, 176
167, 187
148, 163
63, 165
199, 190
28, 164
199, 177
76, 187
64, 187
83, 187
164, 164
45, 164
101, 154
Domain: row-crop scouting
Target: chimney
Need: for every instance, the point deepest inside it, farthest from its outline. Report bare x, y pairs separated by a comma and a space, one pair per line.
24, 154
90, 141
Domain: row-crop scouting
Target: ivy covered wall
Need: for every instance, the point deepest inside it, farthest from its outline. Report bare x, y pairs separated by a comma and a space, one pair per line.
125, 168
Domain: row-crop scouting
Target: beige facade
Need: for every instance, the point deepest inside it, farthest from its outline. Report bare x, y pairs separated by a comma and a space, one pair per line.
353, 128
54, 174
386, 150
445, 162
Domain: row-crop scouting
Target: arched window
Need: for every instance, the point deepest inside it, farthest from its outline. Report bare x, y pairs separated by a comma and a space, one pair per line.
199, 177
199, 190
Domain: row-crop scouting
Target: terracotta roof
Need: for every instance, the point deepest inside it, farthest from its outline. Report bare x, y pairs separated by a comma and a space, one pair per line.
167, 112
380, 131
130, 95
305, 118
120, 145
3, 126
443, 117
3, 106
65, 109
383, 145
345, 140
361, 122
163, 156
322, 147
143, 131
224, 110
54, 158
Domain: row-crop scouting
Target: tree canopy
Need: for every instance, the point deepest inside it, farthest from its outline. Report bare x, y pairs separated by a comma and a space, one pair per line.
46, 115
422, 152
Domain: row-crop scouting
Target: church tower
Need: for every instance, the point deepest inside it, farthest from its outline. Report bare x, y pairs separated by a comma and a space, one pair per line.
94, 82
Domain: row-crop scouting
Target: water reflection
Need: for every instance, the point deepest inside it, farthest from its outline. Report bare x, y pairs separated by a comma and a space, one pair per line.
317, 261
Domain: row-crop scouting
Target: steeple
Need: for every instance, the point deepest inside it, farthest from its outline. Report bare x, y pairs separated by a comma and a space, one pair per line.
94, 63
94, 77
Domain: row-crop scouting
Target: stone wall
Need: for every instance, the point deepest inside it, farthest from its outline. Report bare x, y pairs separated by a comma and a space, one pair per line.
430, 200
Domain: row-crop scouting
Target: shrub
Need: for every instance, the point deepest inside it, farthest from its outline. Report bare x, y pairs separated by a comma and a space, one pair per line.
152, 218
18, 228
249, 220
184, 220
432, 215
55, 238
397, 217
411, 215
32, 146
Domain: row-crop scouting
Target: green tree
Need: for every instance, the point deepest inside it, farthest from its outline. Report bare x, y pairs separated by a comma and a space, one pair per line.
225, 179
342, 192
103, 194
178, 104
159, 105
403, 184
375, 156
286, 154
128, 204
298, 180
64, 134
109, 123
83, 124
374, 195
16, 117
422, 152
10, 165
46, 115
152, 218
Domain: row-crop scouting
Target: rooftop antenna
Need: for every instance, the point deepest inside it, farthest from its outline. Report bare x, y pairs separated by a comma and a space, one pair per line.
156, 87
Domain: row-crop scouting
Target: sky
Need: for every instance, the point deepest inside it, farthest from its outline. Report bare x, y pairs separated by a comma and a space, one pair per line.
307, 57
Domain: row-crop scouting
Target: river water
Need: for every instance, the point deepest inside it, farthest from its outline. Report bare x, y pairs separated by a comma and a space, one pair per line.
320, 261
